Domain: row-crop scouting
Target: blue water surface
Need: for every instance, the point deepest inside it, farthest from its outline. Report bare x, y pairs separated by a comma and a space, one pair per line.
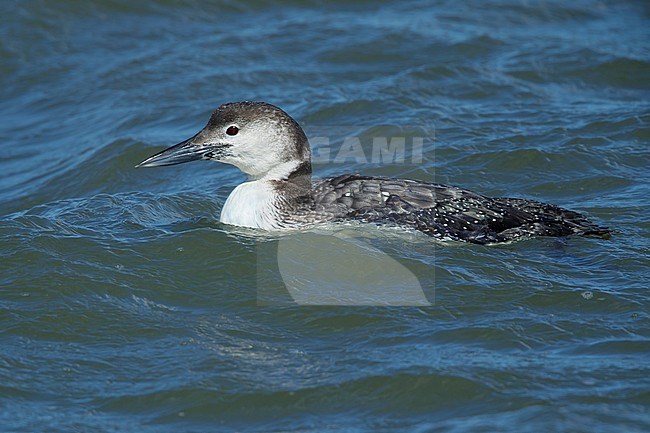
126, 306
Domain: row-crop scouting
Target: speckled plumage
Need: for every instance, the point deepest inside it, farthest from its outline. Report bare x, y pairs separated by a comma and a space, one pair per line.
273, 150
441, 211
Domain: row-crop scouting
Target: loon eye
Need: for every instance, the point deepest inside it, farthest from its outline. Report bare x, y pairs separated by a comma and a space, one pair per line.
232, 130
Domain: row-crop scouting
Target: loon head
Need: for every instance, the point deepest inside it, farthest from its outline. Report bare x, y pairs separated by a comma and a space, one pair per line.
258, 138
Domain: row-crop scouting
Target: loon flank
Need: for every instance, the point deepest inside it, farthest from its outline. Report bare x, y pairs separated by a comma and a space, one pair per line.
271, 148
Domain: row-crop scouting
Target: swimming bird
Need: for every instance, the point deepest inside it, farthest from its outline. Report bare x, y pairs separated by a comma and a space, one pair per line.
270, 147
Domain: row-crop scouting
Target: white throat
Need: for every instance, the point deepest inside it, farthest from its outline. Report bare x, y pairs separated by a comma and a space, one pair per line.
255, 203
251, 204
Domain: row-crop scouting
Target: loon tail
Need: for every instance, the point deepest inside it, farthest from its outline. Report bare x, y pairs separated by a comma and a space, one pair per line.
510, 219
534, 218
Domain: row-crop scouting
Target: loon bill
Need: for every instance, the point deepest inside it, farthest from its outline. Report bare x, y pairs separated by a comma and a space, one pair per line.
271, 148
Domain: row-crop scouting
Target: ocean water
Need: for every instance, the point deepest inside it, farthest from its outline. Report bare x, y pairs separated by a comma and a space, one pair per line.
125, 306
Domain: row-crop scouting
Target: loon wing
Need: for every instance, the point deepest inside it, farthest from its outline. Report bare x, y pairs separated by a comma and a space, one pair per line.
447, 212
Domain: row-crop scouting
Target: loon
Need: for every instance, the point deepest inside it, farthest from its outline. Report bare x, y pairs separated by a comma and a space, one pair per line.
270, 147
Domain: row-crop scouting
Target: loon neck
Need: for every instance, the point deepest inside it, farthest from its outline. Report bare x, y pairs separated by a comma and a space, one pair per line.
287, 171
288, 179
256, 203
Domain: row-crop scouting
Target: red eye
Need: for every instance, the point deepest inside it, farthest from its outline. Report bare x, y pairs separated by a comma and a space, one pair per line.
232, 130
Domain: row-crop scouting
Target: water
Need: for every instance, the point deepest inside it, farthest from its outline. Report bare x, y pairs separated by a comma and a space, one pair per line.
127, 306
